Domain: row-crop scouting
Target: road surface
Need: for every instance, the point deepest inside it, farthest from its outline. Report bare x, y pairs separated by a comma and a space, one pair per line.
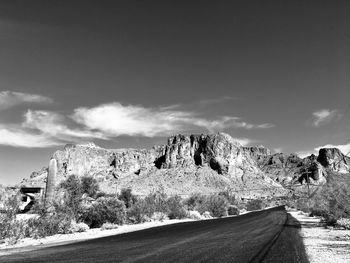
264, 236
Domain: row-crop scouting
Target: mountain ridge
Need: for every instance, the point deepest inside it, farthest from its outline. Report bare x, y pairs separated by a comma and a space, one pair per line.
194, 163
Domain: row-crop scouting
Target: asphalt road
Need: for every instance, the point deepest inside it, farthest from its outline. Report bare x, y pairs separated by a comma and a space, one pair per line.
265, 236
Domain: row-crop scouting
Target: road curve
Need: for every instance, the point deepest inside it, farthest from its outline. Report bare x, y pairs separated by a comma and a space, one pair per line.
265, 236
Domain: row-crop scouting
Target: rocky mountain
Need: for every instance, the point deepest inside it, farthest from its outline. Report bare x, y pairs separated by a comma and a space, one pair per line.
186, 164
195, 163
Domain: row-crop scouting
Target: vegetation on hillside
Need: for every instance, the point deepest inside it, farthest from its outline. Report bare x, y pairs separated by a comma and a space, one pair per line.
80, 205
331, 201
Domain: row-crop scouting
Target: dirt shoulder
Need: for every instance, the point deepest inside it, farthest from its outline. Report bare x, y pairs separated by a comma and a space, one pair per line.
323, 245
29, 244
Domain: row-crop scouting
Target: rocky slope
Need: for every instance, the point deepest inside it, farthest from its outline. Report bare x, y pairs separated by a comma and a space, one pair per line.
195, 163
185, 165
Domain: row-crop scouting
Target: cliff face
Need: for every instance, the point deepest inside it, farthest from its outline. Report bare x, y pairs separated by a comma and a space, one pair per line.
194, 163
219, 152
186, 164
334, 159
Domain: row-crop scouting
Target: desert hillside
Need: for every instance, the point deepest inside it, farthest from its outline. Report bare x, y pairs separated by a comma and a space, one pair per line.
195, 163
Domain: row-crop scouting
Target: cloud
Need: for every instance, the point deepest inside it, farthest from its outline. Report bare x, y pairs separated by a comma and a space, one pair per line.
344, 148
115, 119
22, 138
43, 129
277, 150
324, 116
52, 124
244, 141
303, 154
9, 99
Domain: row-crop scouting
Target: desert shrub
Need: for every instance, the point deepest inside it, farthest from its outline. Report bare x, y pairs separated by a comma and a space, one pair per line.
255, 204
10, 227
73, 192
343, 223
334, 196
176, 208
319, 212
138, 213
302, 205
156, 202
78, 227
159, 216
215, 204
207, 215
48, 225
127, 197
195, 215
104, 209
90, 186
230, 197
109, 226
194, 201
233, 210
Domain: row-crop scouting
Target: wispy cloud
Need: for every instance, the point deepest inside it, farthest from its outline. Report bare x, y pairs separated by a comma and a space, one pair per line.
115, 119
52, 124
244, 141
9, 99
324, 116
46, 128
22, 138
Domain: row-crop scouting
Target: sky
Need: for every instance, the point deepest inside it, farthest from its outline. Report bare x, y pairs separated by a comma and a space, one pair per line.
131, 73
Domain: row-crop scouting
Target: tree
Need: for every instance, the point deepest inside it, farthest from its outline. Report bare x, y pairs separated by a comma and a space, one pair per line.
127, 197
89, 186
72, 194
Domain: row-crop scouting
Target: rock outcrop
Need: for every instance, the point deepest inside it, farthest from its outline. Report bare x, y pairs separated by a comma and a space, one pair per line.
195, 163
186, 164
334, 159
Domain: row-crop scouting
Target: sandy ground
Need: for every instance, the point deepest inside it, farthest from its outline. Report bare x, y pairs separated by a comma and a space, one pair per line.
323, 245
28, 244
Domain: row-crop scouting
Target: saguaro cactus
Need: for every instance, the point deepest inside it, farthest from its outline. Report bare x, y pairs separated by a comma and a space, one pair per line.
50, 184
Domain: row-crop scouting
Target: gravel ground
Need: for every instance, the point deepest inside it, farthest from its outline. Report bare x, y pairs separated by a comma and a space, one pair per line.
323, 245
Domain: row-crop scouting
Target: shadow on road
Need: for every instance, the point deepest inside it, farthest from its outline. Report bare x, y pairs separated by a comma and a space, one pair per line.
289, 247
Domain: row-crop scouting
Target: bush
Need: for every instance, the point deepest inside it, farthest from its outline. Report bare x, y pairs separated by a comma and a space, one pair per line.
127, 197
343, 223
233, 210
302, 205
10, 227
230, 197
176, 208
73, 192
48, 225
194, 201
78, 227
207, 215
195, 215
334, 196
159, 216
319, 212
215, 204
89, 185
105, 209
255, 204
109, 226
156, 202
138, 212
